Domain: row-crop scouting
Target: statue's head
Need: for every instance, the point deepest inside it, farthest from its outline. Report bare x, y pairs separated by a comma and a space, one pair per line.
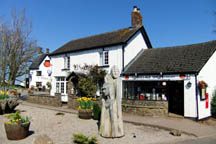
115, 72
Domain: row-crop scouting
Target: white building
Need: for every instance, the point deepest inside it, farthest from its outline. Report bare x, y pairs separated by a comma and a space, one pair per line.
105, 50
40, 70
172, 75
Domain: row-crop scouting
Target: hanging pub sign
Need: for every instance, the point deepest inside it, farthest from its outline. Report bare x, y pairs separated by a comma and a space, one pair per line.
202, 85
47, 63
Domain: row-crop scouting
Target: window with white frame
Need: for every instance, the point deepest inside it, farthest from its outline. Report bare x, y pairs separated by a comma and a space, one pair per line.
67, 62
104, 58
60, 84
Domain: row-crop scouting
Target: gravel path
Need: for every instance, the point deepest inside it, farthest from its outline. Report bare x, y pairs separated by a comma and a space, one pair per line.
61, 127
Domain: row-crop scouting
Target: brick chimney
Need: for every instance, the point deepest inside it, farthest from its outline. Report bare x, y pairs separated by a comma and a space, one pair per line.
136, 17
47, 50
40, 50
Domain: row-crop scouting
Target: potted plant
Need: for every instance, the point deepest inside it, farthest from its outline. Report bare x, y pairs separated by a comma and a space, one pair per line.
85, 107
49, 85
17, 127
202, 85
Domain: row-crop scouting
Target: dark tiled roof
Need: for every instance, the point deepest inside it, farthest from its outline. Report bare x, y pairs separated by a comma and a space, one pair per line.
77, 75
180, 59
36, 63
101, 40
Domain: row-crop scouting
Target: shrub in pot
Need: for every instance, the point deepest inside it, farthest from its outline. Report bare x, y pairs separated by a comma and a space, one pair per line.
96, 112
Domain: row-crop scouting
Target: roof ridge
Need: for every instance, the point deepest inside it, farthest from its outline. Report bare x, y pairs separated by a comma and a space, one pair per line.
101, 34
186, 45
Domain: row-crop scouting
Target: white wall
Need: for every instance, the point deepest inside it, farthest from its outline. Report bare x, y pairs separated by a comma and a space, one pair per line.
134, 46
190, 100
190, 106
44, 78
207, 74
89, 57
92, 57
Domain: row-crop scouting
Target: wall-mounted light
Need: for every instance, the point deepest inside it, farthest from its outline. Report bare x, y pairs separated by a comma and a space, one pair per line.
164, 83
189, 84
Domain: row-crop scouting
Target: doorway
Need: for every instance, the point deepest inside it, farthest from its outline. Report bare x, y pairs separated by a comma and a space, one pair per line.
176, 97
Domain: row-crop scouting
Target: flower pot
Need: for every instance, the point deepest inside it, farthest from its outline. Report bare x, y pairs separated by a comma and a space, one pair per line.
85, 113
17, 131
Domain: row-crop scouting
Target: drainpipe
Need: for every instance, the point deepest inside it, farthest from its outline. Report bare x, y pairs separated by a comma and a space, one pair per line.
197, 104
123, 50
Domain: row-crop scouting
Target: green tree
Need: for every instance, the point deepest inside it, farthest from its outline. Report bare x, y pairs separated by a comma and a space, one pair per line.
213, 105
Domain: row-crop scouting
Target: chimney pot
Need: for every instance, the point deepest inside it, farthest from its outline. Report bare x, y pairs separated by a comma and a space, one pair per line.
40, 51
135, 8
47, 50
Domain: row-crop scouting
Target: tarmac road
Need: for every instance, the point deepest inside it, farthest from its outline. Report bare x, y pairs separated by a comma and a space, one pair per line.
206, 140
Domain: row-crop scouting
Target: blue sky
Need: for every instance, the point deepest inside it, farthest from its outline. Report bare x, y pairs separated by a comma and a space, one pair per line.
167, 22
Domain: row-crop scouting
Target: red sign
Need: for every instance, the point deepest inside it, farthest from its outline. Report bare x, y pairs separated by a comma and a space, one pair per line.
47, 63
207, 100
182, 76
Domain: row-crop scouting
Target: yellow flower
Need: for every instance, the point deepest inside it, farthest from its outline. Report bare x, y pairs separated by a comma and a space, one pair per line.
79, 108
79, 99
2, 93
8, 122
7, 93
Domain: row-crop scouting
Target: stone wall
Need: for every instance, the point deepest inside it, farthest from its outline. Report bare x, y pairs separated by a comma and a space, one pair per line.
145, 108
45, 99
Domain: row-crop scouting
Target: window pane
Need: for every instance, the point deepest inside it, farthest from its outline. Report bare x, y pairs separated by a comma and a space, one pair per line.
39, 73
145, 90
62, 87
57, 87
106, 58
66, 87
68, 62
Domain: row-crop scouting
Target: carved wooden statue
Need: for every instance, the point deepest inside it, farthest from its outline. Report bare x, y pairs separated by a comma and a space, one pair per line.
111, 124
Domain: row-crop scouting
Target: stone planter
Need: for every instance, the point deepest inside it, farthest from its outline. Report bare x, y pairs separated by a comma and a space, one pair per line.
85, 113
17, 131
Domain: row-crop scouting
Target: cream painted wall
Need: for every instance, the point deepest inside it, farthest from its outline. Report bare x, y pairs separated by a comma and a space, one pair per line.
44, 78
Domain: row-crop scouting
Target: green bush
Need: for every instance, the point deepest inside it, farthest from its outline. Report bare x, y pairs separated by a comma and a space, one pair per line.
87, 87
213, 105
96, 112
82, 139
